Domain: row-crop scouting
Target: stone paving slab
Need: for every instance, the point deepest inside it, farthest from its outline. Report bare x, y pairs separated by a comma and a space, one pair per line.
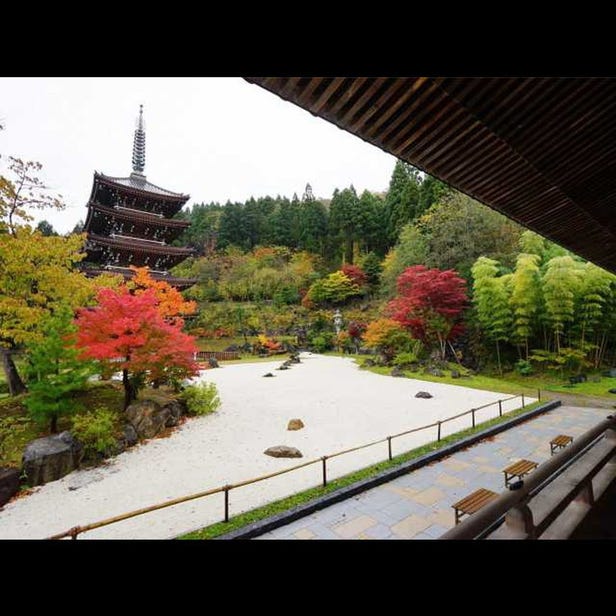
418, 505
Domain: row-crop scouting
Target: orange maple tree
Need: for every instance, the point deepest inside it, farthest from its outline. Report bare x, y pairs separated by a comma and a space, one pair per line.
171, 304
128, 333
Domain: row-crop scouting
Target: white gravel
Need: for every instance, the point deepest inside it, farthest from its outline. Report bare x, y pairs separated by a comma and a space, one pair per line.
340, 405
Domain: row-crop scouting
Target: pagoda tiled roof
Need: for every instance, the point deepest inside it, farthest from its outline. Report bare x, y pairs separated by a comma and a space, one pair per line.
139, 183
124, 213
137, 245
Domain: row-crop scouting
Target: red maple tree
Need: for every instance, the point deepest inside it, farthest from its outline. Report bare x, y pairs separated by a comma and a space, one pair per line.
430, 303
129, 334
356, 274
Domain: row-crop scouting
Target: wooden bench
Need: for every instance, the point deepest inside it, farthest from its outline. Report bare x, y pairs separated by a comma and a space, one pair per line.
473, 502
559, 442
519, 469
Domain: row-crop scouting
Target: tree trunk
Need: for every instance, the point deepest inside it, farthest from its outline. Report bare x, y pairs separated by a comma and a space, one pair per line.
500, 369
128, 389
16, 385
54, 424
349, 250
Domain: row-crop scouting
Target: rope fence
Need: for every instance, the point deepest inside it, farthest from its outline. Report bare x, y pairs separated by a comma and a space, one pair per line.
74, 532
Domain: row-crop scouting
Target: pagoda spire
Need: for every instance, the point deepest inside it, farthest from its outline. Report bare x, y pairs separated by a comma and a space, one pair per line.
139, 145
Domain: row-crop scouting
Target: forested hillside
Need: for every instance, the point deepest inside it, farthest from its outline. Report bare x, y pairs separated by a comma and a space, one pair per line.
280, 265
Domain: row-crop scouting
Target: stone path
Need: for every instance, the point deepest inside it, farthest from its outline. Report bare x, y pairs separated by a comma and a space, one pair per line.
418, 505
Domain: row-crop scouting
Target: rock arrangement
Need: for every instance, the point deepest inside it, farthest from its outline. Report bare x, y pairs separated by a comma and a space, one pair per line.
148, 417
9, 484
283, 451
423, 394
269, 374
51, 457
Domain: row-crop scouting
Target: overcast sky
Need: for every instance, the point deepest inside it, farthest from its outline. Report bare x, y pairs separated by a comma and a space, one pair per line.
213, 138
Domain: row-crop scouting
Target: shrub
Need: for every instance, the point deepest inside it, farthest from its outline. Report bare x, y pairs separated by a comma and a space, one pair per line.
96, 431
523, 367
405, 360
201, 399
11, 430
321, 342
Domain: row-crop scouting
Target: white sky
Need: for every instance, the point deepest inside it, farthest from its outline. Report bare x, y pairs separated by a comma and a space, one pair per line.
211, 137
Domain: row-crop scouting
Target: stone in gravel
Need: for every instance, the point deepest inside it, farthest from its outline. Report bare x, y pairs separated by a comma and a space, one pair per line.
130, 435
147, 417
295, 424
9, 483
282, 451
175, 412
269, 374
283, 367
423, 394
51, 457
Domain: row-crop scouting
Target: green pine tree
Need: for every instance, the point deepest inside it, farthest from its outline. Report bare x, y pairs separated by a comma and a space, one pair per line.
54, 371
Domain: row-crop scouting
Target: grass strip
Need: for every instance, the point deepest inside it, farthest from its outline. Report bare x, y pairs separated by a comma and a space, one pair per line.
284, 504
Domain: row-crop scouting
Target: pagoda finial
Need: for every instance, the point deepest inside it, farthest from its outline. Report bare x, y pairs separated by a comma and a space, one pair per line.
139, 145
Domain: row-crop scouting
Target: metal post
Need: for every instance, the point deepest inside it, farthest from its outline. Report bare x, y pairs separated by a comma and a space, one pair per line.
500, 408
226, 489
324, 460
389, 446
522, 400
473, 415
438, 438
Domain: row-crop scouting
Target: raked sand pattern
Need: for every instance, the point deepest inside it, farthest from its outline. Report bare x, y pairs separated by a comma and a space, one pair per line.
340, 405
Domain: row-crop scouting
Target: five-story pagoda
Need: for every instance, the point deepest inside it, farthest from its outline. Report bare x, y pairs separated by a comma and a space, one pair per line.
130, 222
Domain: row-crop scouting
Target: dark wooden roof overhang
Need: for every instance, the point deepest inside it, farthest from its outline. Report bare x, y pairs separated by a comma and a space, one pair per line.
540, 150
142, 246
137, 216
130, 190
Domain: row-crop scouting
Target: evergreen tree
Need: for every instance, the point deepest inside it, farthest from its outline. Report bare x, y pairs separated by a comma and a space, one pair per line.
54, 371
45, 228
344, 221
402, 199
313, 226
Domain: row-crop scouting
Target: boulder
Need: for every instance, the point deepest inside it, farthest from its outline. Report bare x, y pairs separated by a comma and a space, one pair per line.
294, 359
613, 372
147, 417
130, 435
612, 391
213, 362
395, 371
295, 424
176, 410
282, 451
9, 483
423, 394
283, 367
51, 457
269, 374
455, 374
368, 363
434, 371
